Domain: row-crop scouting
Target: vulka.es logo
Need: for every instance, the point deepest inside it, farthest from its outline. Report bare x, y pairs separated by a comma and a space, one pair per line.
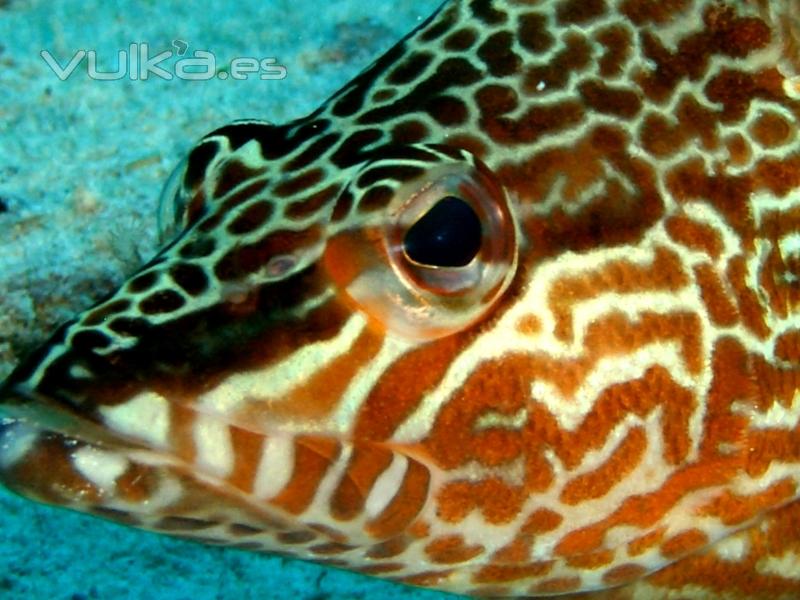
137, 63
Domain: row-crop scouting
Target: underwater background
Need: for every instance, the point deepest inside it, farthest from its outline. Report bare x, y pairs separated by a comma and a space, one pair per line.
82, 163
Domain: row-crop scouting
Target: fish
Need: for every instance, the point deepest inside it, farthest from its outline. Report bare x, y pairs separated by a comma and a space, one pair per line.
514, 313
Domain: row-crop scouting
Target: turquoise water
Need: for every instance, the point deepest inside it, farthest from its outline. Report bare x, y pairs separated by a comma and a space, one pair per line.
81, 166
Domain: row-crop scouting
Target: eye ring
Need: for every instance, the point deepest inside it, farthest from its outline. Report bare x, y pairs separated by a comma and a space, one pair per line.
366, 254
479, 190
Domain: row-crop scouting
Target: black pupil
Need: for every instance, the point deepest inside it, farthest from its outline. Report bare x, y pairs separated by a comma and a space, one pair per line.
448, 235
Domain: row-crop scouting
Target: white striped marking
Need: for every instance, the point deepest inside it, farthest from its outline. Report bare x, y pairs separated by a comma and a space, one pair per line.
100, 467
212, 441
386, 486
276, 467
144, 417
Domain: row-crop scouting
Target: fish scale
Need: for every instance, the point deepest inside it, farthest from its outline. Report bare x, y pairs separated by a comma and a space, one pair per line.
603, 399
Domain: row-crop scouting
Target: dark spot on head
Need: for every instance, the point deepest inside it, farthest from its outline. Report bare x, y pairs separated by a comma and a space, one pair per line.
448, 110
195, 209
211, 222
410, 69
580, 11
698, 120
298, 184
733, 35
233, 173
352, 150
160, 302
197, 163
242, 196
399, 173
439, 27
574, 57
488, 14
191, 278
384, 95
342, 207
496, 52
101, 313
496, 99
314, 152
313, 203
617, 42
724, 33
198, 247
690, 180
251, 218
533, 33
142, 282
409, 132
610, 100
460, 40
375, 198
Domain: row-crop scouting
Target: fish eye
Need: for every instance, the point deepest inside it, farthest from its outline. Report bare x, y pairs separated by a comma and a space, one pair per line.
448, 235
437, 254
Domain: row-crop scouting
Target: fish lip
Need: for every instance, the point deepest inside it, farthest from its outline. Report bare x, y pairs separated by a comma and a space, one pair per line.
20, 404
13, 400
19, 408
17, 431
16, 438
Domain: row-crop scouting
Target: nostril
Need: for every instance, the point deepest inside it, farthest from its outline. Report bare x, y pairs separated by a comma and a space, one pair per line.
280, 265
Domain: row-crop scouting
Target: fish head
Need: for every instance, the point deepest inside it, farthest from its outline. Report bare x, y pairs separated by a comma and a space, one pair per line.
282, 280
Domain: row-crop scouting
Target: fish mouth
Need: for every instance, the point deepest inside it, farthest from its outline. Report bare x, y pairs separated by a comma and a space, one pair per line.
51, 454
18, 435
16, 438
134, 486
22, 407
25, 469
119, 481
40, 447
